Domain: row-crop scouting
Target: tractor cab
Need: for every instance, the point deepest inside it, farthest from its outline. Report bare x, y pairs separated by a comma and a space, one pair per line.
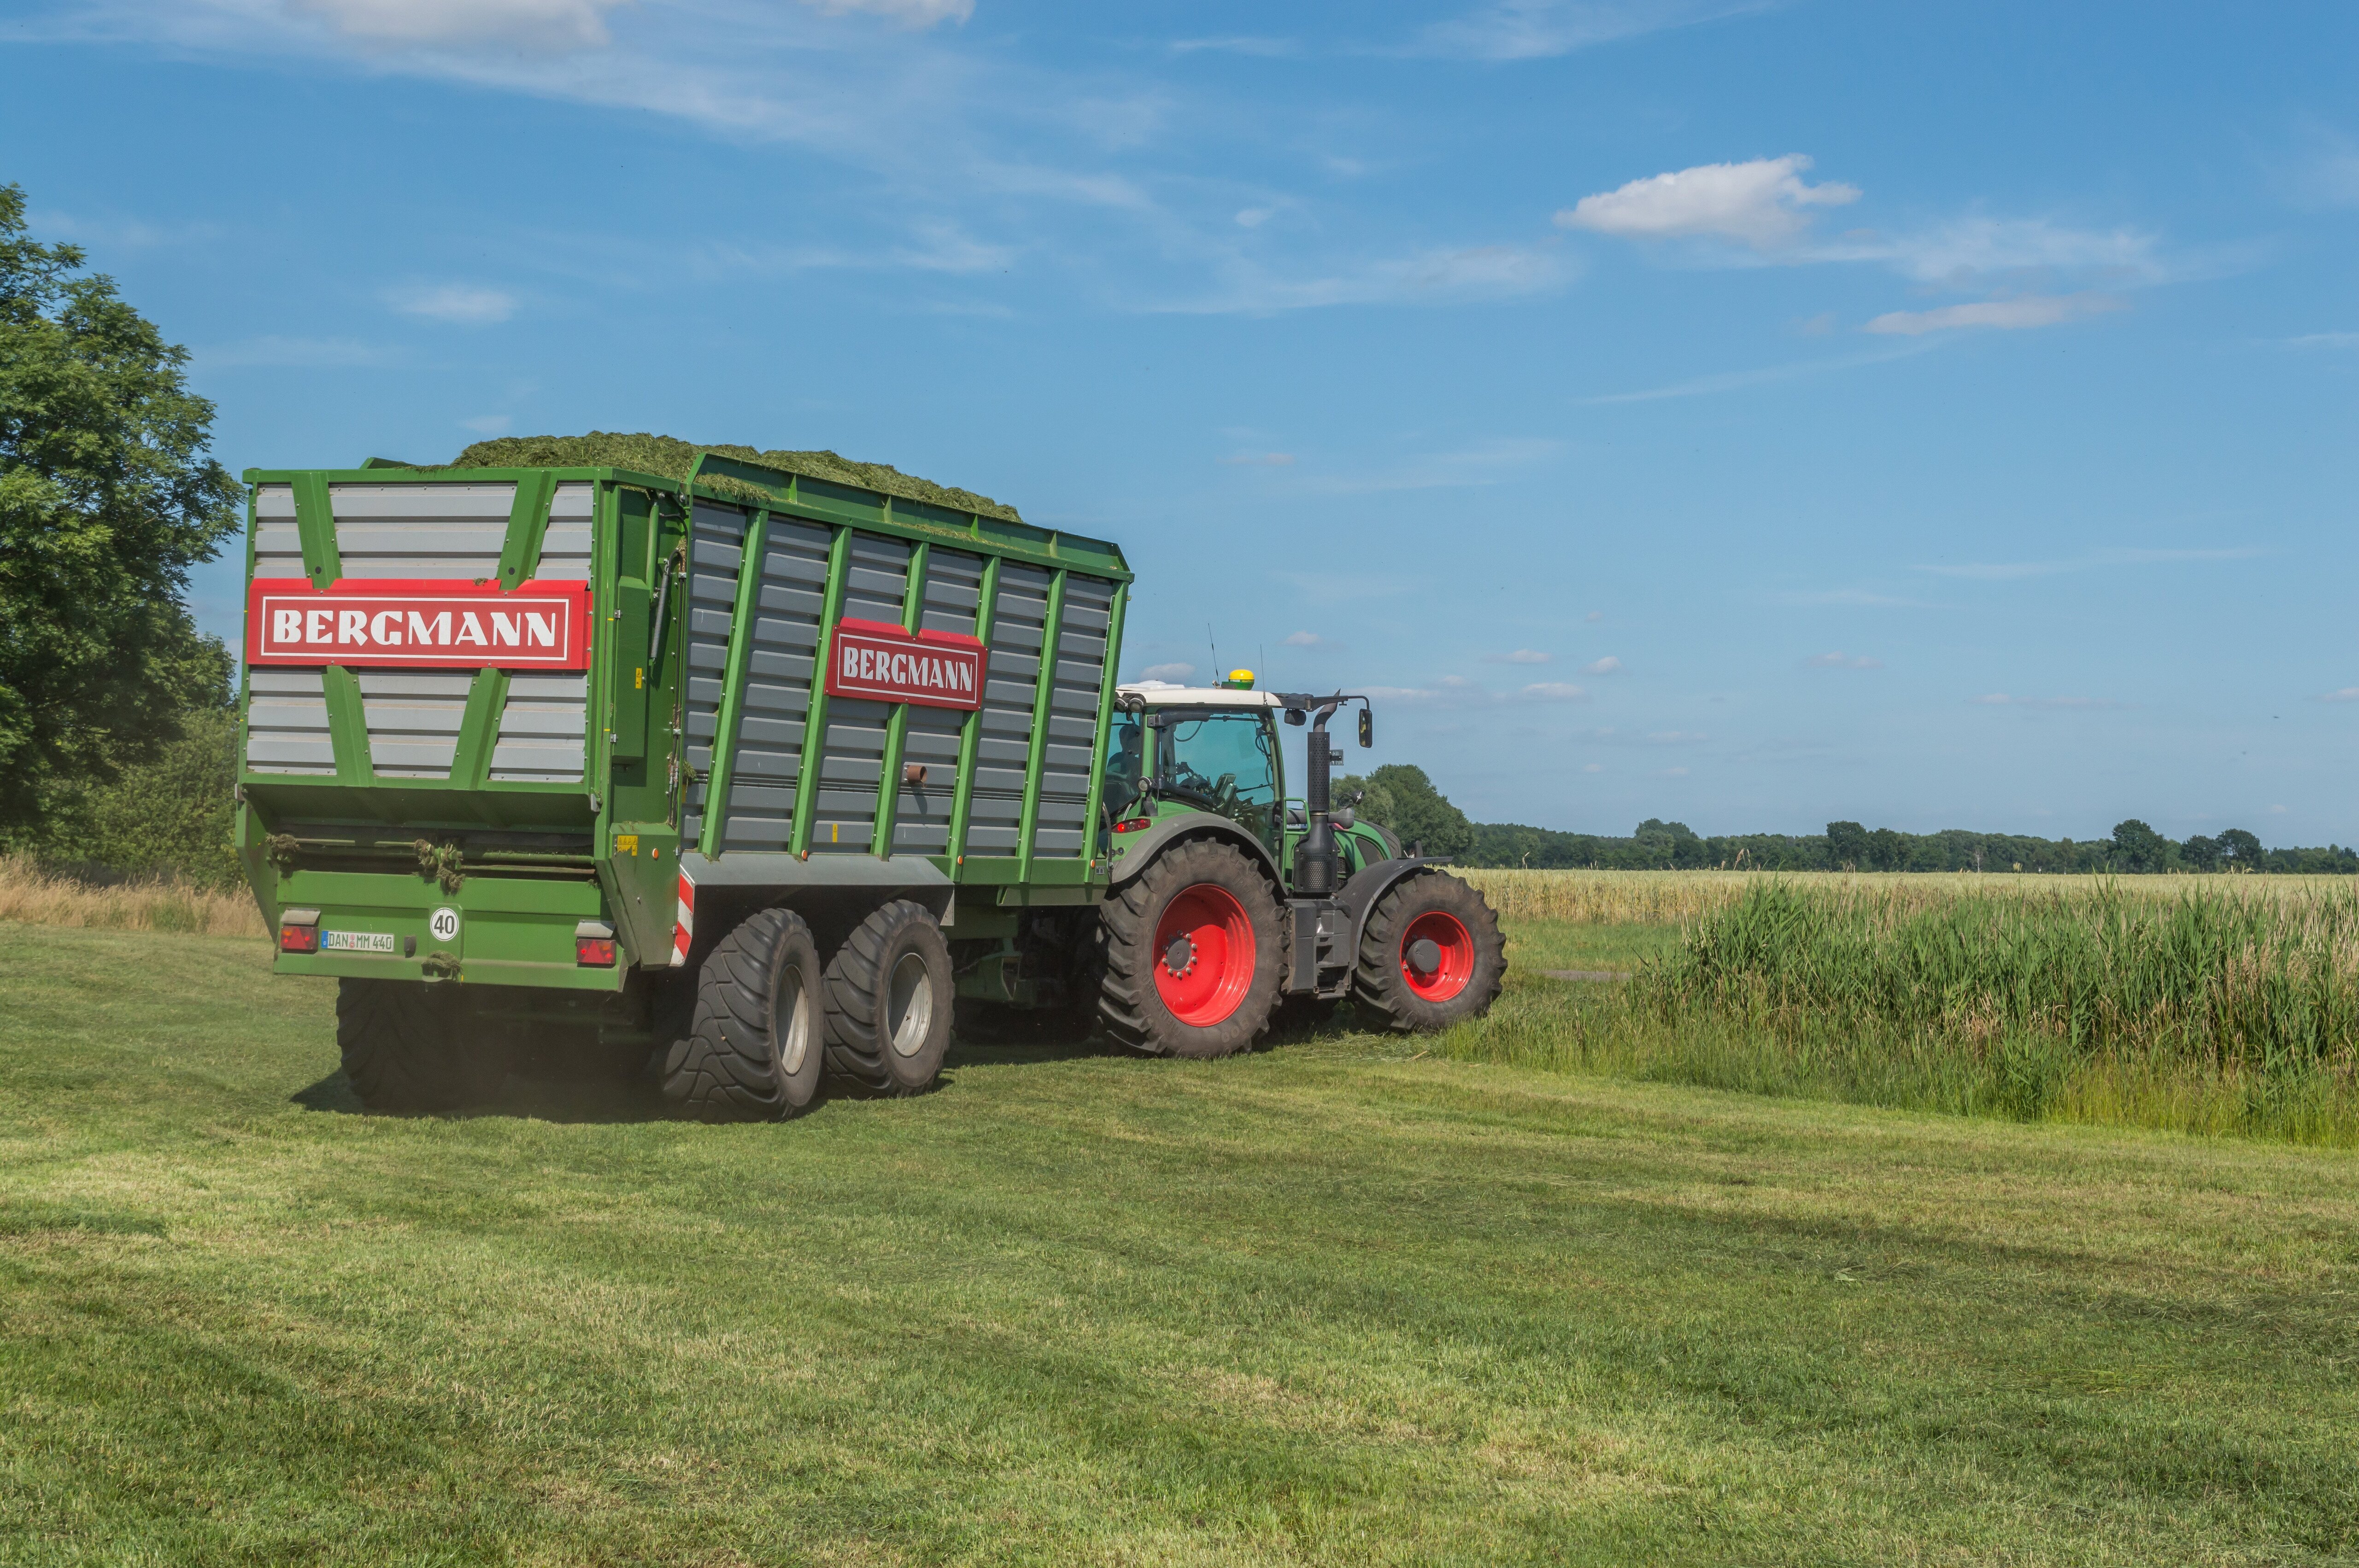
1176, 748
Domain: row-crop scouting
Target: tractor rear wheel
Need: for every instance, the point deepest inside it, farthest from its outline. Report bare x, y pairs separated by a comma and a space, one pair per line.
1194, 954
408, 1046
1431, 955
753, 1047
889, 995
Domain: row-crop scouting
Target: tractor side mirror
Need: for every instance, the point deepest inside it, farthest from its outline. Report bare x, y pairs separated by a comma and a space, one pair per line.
1367, 727
1294, 716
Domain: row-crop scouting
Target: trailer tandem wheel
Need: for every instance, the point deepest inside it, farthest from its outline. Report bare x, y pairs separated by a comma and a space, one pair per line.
1430, 953
752, 1049
407, 1048
889, 996
1194, 954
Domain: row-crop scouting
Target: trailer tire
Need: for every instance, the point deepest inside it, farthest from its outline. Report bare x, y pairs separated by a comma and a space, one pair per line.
1431, 955
752, 1050
405, 1047
1203, 896
890, 995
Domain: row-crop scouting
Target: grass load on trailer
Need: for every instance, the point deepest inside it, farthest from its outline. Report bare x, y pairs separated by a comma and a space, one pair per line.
775, 774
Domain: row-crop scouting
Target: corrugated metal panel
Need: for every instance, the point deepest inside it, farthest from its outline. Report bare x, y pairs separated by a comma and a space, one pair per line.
1073, 715
777, 698
457, 531
844, 816
287, 723
541, 739
716, 547
287, 715
921, 813
996, 815
413, 720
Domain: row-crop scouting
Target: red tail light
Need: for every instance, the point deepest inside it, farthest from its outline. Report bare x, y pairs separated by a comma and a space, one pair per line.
299, 931
594, 945
1134, 824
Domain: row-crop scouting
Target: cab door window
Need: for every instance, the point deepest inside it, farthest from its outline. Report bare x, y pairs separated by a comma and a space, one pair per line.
1226, 762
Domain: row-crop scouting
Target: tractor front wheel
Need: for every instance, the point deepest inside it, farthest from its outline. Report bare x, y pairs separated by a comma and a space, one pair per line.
1431, 955
1195, 953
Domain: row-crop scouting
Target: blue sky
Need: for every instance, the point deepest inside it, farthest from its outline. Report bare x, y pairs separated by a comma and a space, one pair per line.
1752, 415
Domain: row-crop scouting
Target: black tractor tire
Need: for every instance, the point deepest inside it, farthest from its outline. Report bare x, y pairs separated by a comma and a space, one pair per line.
1430, 955
890, 998
754, 1045
1199, 887
407, 1046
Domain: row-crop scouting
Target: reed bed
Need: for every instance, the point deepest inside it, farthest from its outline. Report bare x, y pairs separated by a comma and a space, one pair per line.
2206, 1006
29, 893
1671, 898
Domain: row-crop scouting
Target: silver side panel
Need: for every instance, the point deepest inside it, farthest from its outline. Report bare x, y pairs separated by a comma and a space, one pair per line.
777, 698
843, 816
385, 531
1080, 665
921, 813
716, 547
996, 815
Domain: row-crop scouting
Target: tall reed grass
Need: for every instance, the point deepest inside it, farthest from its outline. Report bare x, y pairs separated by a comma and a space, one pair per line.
29, 893
2208, 1008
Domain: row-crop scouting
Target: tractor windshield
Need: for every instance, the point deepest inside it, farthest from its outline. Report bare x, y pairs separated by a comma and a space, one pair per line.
1225, 760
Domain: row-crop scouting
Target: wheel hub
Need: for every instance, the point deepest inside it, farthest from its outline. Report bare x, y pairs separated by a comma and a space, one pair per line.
1425, 955
1180, 958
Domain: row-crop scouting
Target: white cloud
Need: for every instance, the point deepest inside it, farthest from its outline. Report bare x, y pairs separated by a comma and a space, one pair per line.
1263, 459
1844, 662
1608, 666
1554, 691
454, 302
1761, 203
1594, 615
1540, 30
2325, 340
2007, 315
1593, 767
2348, 694
1306, 640
1974, 253
1176, 674
1257, 47
1675, 773
1520, 656
1253, 217
488, 424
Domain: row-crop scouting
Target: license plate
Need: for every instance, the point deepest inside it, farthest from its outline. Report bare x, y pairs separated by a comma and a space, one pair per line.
356, 941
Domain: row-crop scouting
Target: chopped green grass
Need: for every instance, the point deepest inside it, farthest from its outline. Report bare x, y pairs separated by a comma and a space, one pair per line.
1343, 1302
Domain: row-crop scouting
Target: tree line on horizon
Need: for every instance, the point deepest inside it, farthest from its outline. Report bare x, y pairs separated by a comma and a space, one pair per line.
1401, 797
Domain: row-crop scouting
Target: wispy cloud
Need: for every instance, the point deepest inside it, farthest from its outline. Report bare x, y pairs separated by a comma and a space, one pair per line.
1176, 673
1608, 666
1866, 599
1307, 640
119, 232
2006, 315
458, 303
1473, 275
1261, 459
2018, 571
307, 353
1482, 463
1520, 656
1742, 380
2348, 694
1540, 30
1253, 45
2001, 699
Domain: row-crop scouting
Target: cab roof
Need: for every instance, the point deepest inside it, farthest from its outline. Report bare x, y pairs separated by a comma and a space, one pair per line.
1154, 694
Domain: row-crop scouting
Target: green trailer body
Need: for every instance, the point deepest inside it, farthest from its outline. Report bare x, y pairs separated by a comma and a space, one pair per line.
526, 803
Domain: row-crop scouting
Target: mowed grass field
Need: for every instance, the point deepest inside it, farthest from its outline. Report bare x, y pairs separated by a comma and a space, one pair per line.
1344, 1300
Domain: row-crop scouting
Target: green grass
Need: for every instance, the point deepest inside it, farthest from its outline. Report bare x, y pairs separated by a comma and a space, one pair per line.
1343, 1302
1534, 944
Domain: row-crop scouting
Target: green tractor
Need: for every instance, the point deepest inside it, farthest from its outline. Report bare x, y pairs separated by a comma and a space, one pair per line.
1230, 909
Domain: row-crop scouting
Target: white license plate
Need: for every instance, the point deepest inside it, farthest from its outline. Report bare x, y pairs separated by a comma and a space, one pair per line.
356, 941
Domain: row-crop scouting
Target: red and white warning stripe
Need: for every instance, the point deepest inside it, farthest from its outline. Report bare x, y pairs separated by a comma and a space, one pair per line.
683, 928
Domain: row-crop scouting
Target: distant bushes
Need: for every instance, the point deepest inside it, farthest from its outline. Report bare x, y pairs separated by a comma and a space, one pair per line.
168, 817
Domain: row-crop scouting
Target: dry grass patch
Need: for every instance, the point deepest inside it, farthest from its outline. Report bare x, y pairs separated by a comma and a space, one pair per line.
30, 894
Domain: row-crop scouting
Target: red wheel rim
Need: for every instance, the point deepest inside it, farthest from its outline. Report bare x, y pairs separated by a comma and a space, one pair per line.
1208, 932
1453, 965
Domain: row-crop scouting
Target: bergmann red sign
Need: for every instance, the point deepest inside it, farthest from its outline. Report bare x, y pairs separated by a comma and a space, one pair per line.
418, 625
879, 661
